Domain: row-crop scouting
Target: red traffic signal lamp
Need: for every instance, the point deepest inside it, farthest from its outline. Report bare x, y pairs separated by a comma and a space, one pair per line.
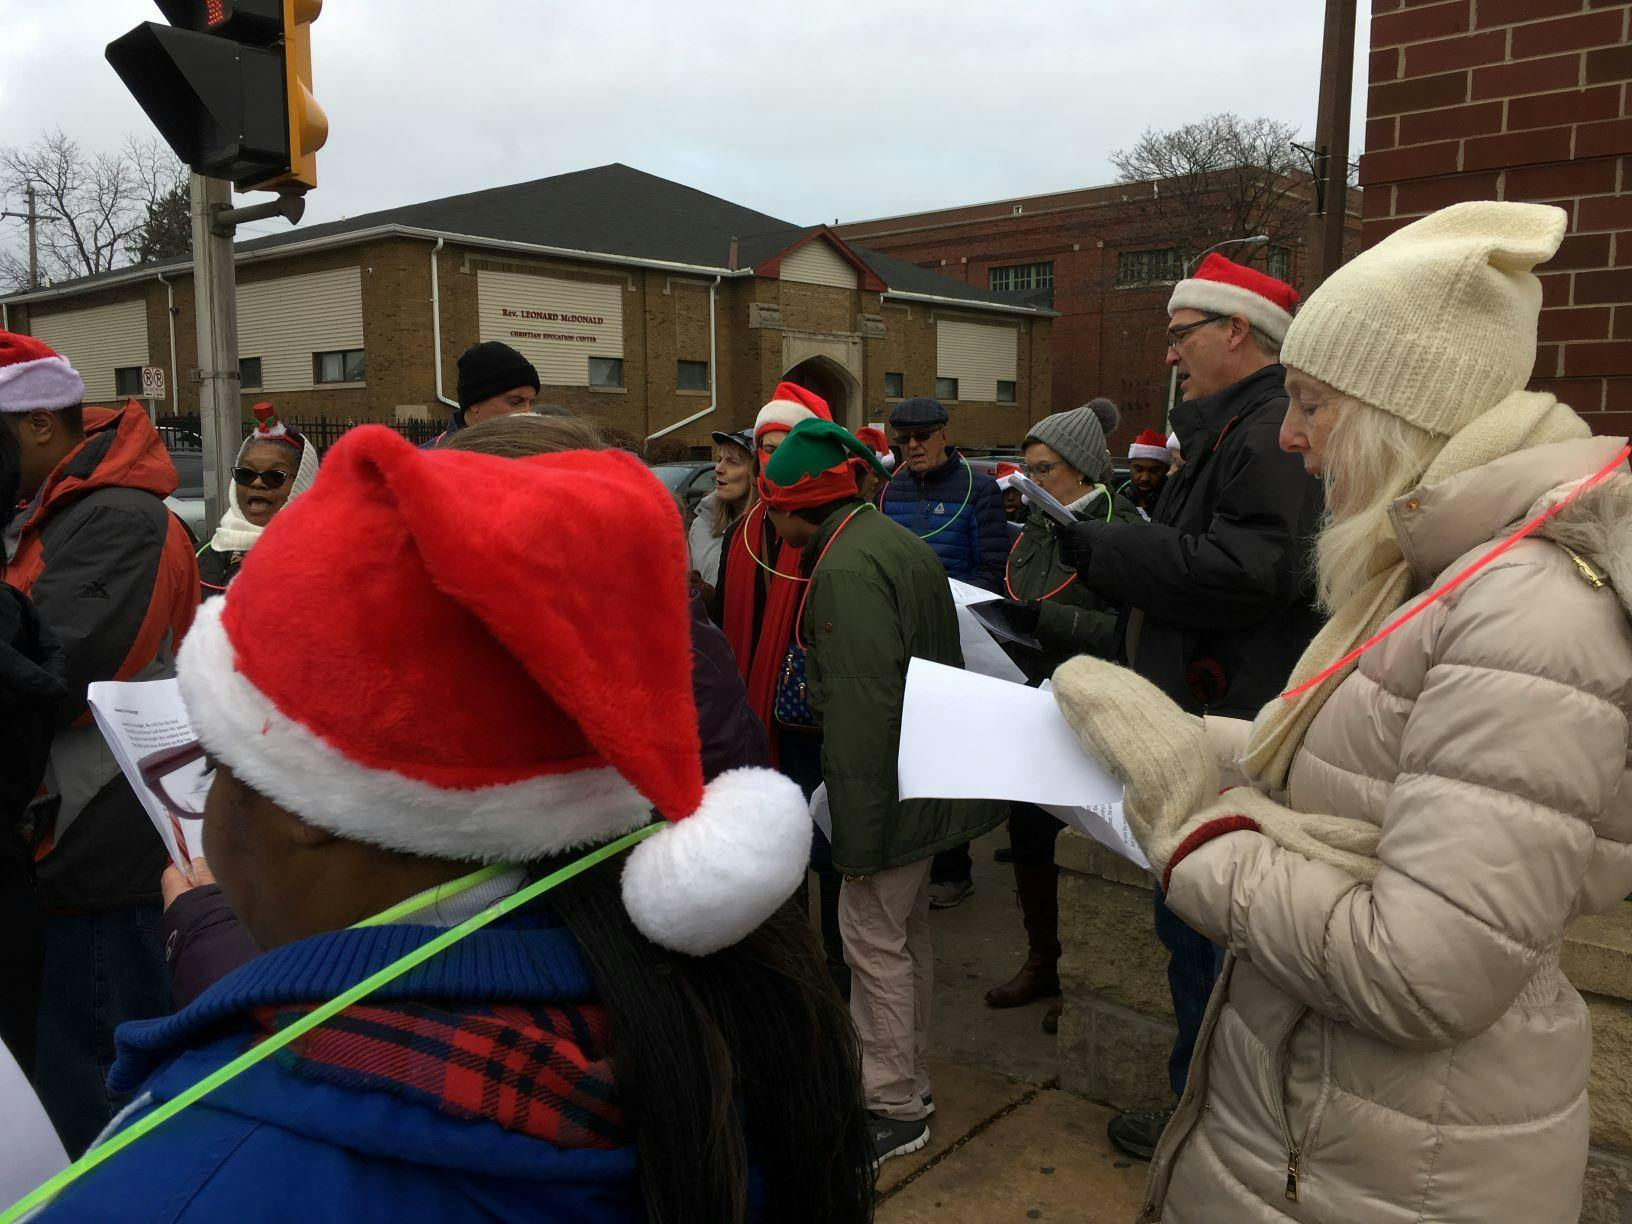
228, 83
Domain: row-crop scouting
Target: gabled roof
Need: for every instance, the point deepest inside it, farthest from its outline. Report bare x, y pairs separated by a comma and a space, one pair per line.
614, 211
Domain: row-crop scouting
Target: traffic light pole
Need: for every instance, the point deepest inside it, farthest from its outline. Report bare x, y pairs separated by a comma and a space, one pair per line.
215, 304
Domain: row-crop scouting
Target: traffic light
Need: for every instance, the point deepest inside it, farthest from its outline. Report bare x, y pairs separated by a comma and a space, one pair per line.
228, 83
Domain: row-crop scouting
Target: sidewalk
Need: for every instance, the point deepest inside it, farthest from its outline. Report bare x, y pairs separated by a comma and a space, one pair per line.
1005, 1144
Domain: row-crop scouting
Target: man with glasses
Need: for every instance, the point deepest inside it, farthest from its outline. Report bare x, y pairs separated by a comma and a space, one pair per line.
1216, 589
112, 574
958, 512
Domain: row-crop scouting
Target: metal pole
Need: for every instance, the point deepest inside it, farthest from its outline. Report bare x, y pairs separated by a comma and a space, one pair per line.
33, 241
1325, 244
216, 305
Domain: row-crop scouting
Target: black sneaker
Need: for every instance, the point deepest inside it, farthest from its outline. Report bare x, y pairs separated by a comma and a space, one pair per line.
892, 1138
947, 893
1138, 1131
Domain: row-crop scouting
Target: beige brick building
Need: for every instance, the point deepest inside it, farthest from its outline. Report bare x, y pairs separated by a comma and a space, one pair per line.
660, 311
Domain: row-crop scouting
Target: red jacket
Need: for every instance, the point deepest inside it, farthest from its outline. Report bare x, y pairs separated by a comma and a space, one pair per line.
112, 573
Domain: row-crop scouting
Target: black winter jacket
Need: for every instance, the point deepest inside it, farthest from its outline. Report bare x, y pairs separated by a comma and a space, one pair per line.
1218, 587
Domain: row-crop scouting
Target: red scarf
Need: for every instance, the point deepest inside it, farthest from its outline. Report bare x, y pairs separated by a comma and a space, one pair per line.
760, 662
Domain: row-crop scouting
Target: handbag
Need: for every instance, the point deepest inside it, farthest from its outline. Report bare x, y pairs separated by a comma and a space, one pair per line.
791, 704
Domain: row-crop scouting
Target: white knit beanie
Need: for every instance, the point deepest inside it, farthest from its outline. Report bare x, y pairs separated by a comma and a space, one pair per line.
1437, 322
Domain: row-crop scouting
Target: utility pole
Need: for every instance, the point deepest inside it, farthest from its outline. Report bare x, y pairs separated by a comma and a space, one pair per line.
215, 303
1324, 243
33, 241
33, 218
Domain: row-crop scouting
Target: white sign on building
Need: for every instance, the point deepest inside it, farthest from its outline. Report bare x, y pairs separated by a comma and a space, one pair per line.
556, 324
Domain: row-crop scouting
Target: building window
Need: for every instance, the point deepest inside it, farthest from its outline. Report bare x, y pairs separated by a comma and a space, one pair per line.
1020, 277
894, 385
946, 389
341, 366
606, 371
1278, 263
249, 373
1005, 390
689, 375
1148, 267
127, 380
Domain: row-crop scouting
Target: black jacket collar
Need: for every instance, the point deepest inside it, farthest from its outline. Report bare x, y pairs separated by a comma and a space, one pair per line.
1200, 422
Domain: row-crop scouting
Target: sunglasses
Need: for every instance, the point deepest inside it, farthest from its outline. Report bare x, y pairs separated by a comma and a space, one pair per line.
270, 479
917, 435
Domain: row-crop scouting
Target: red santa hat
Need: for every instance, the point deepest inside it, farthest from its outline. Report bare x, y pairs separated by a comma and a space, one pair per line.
33, 378
790, 404
1005, 474
1150, 445
875, 438
506, 694
1222, 287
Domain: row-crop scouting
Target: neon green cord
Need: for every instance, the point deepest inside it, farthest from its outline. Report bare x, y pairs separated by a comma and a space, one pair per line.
324, 1011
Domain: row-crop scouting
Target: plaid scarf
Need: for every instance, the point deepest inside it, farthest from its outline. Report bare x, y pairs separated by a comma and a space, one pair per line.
543, 1070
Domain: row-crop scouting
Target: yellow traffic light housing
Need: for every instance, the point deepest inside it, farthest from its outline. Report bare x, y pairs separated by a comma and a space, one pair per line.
308, 125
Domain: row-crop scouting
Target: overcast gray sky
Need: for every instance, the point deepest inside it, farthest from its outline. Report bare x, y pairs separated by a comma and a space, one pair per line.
810, 112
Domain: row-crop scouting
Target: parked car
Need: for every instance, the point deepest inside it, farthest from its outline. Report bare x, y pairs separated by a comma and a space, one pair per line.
690, 482
187, 502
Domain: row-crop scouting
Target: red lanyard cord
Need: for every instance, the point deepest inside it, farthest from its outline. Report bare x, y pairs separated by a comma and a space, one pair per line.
1110, 508
799, 621
1446, 588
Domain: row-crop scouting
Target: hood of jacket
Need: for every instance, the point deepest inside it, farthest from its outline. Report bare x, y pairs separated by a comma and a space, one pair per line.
121, 450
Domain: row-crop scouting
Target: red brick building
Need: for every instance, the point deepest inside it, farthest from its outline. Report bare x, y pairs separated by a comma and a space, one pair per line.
1099, 257
1519, 100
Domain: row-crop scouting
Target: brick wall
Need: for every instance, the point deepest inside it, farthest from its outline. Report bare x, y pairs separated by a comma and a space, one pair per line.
1519, 100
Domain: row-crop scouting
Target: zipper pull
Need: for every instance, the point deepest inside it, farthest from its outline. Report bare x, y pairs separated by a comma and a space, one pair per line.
1292, 1158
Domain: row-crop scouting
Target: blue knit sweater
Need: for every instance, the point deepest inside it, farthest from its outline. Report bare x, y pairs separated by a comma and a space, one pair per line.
272, 1145
958, 512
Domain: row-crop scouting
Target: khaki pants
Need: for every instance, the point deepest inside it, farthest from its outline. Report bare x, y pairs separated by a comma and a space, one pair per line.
884, 920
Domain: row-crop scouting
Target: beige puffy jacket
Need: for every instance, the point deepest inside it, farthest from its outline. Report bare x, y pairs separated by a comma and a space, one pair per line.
1408, 1050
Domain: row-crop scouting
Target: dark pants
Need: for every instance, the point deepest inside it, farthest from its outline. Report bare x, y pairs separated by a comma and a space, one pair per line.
951, 866
1032, 833
1192, 968
101, 969
801, 759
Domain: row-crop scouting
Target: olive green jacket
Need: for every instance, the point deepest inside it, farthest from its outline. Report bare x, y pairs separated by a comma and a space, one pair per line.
1071, 618
877, 598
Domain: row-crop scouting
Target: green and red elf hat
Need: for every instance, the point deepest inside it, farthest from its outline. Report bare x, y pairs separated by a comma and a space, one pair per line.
815, 466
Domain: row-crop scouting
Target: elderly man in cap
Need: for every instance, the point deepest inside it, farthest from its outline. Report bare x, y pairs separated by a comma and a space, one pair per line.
958, 512
494, 381
1218, 586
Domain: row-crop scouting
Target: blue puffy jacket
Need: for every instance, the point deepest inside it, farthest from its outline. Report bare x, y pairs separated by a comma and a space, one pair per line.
277, 1144
958, 512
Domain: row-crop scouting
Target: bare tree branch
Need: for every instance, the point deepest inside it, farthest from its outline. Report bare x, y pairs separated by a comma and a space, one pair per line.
1218, 178
91, 205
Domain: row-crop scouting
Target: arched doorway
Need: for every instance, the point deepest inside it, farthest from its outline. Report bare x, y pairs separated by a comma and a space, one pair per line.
835, 384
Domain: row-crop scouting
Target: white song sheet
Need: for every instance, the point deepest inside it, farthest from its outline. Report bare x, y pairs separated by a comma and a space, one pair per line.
139, 718
968, 736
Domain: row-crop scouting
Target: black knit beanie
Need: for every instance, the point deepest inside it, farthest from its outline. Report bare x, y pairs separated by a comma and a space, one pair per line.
492, 368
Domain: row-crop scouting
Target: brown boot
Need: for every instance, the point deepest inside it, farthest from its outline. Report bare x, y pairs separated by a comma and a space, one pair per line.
1038, 978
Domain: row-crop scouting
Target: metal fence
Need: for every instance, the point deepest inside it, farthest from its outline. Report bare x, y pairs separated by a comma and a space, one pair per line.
185, 432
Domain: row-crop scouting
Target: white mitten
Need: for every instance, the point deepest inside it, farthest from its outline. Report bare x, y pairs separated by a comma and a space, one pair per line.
1154, 748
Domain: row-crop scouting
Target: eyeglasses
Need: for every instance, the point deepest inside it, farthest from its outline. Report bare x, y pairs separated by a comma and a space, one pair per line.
1040, 469
1176, 334
272, 478
917, 435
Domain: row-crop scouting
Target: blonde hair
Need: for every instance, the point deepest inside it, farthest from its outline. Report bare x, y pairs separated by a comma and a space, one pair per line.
1372, 459
725, 515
